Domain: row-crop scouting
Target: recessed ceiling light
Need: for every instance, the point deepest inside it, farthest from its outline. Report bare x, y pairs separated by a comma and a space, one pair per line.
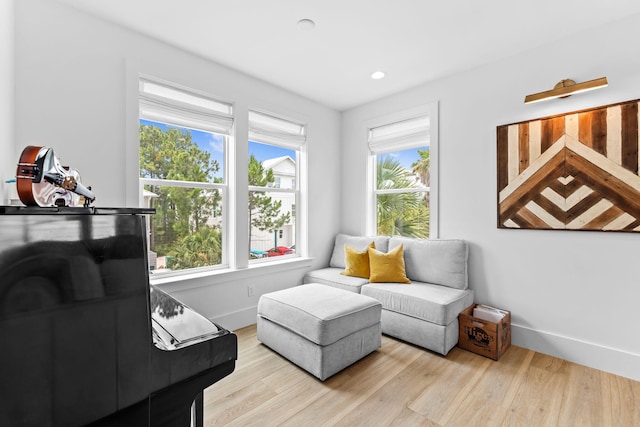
306, 24
377, 75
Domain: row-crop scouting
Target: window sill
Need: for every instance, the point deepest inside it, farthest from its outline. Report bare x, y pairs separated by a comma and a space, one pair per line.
213, 277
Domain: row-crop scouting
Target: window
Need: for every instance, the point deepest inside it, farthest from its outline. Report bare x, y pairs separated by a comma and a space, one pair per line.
275, 147
402, 164
183, 143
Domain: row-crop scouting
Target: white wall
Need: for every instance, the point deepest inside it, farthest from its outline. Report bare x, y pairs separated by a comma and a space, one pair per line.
76, 91
8, 158
571, 294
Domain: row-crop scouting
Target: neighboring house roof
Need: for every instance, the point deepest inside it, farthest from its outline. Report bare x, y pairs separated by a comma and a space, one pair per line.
275, 162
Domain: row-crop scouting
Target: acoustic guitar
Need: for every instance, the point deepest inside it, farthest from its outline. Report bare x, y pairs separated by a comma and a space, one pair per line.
42, 181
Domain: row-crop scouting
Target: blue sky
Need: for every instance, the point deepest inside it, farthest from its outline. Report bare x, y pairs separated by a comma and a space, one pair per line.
264, 152
213, 144
406, 157
206, 141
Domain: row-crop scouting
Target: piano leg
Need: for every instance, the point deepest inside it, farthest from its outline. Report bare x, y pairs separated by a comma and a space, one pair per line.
171, 406
197, 411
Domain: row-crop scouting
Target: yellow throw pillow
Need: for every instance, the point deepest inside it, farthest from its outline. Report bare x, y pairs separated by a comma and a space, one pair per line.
357, 262
389, 267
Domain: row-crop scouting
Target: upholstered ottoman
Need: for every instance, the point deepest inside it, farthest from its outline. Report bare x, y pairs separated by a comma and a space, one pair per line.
319, 328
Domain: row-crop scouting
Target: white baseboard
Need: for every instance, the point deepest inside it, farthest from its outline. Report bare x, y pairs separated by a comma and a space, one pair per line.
595, 356
237, 319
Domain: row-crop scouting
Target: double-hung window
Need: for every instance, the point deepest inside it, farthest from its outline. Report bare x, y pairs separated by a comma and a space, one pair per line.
183, 144
401, 171
275, 153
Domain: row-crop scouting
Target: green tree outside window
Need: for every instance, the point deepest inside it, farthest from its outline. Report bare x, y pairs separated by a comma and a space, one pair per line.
180, 229
402, 213
264, 212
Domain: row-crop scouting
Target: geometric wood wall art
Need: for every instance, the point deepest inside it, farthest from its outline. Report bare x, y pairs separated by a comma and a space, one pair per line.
576, 171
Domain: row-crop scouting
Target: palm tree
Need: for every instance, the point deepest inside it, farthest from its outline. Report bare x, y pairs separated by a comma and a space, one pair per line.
422, 168
403, 214
199, 249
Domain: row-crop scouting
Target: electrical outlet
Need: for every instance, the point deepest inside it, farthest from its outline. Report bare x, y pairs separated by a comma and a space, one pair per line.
250, 291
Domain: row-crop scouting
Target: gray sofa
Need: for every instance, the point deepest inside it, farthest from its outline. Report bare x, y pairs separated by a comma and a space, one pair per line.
425, 312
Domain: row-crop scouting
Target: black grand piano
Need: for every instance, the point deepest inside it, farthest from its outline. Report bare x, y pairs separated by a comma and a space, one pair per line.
85, 340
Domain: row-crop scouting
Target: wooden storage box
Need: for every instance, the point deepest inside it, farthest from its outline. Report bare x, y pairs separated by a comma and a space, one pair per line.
484, 337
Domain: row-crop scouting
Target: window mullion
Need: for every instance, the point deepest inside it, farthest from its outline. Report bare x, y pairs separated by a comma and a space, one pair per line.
272, 189
402, 190
187, 184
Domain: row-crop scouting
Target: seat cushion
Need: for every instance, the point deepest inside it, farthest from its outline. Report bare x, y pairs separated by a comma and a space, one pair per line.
331, 276
322, 314
441, 262
432, 303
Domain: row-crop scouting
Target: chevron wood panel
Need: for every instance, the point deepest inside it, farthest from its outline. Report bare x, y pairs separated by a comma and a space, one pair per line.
576, 171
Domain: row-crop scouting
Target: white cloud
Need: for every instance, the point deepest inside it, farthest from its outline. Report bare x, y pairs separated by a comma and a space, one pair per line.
216, 142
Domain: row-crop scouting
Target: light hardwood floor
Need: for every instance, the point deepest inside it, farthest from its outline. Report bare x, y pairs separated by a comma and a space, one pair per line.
403, 385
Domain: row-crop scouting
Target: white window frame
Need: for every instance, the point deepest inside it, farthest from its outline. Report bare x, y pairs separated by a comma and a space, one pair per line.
391, 144
271, 129
169, 103
223, 188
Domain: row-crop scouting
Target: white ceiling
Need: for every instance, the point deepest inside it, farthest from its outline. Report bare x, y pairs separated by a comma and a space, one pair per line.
412, 41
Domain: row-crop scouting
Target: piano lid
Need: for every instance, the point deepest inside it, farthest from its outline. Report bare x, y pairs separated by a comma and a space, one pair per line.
176, 325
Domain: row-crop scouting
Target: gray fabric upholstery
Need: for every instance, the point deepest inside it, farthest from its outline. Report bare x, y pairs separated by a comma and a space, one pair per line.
320, 328
433, 303
331, 276
424, 312
357, 242
319, 313
441, 262
320, 361
438, 338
